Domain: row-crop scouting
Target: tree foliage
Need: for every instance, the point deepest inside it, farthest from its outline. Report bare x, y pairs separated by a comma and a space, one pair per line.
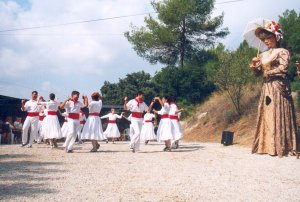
183, 28
114, 93
232, 73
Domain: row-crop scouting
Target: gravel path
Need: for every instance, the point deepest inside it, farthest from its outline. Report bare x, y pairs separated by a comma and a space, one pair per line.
194, 172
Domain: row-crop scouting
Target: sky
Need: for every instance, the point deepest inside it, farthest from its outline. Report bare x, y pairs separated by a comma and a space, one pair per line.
82, 56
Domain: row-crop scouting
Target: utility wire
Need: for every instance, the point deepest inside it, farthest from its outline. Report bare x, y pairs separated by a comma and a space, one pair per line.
94, 20
72, 23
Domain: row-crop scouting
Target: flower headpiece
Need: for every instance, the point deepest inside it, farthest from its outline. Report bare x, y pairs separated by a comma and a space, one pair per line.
272, 27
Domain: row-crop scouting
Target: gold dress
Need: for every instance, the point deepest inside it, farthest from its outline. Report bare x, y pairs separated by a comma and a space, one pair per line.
276, 132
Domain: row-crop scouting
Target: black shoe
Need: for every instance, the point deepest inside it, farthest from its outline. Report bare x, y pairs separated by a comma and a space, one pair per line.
23, 145
146, 142
165, 149
69, 151
106, 141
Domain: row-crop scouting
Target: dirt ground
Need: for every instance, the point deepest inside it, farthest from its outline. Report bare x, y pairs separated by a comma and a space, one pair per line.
194, 172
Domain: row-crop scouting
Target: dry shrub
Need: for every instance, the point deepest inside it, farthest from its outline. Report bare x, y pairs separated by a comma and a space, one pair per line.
221, 115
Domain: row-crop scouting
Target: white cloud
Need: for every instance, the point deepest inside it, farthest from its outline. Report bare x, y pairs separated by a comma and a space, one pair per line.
82, 56
69, 49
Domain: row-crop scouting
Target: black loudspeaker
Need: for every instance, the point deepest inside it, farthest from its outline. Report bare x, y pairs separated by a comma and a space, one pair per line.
227, 138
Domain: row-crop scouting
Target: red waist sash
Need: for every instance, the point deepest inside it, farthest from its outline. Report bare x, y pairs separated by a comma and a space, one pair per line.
74, 116
52, 113
41, 118
94, 114
174, 117
137, 114
32, 114
82, 122
111, 121
148, 121
164, 116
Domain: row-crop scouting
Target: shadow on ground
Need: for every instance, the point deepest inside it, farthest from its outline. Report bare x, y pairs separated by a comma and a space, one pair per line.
20, 177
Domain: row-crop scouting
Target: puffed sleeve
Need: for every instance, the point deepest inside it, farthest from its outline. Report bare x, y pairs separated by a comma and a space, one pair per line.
26, 106
105, 116
283, 61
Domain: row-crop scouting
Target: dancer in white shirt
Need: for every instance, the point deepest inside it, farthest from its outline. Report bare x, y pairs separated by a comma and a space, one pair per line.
31, 120
174, 117
92, 129
164, 131
137, 107
112, 130
72, 106
51, 127
147, 132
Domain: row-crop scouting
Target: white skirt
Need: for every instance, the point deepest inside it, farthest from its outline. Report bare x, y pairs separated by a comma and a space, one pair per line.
147, 132
92, 129
112, 131
51, 128
164, 131
176, 130
64, 129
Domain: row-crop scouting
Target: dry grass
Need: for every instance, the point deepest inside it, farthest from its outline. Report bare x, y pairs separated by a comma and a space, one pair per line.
221, 116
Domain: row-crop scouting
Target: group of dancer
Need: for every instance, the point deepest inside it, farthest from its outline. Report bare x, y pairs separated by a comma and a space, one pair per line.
43, 121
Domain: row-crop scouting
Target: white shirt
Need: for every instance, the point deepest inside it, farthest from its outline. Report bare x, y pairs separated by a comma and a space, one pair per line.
111, 117
164, 109
18, 125
51, 105
32, 106
173, 109
148, 117
132, 105
95, 106
71, 107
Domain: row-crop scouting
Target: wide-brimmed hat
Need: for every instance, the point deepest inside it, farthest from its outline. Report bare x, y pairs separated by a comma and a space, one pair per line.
271, 27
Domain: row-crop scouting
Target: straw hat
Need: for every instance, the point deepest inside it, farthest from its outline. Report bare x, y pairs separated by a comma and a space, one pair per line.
271, 27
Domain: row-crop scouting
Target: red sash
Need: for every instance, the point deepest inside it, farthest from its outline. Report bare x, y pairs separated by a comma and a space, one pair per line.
111, 121
174, 117
41, 118
94, 114
74, 116
52, 113
82, 122
164, 116
148, 121
32, 114
137, 114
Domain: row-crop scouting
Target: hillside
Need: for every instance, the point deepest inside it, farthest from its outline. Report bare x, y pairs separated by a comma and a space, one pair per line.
217, 114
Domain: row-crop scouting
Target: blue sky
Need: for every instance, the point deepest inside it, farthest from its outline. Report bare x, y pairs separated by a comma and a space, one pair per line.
83, 56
